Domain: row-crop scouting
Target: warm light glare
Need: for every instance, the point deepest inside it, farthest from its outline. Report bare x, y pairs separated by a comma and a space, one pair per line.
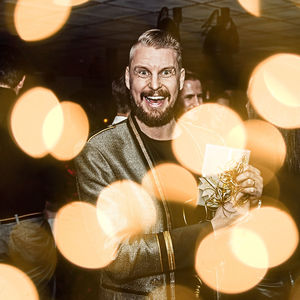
16, 285
125, 209
53, 127
249, 248
267, 146
280, 76
251, 6
27, 120
221, 269
36, 19
80, 238
274, 90
272, 225
206, 124
66, 130
178, 184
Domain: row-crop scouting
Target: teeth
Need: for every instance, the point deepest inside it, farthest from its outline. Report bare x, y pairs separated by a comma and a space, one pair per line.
155, 104
155, 98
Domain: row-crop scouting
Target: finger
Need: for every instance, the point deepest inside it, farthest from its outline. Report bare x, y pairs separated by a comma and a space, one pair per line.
252, 192
247, 183
255, 180
252, 169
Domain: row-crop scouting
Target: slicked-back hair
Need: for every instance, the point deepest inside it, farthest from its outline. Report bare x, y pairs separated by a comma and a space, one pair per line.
158, 39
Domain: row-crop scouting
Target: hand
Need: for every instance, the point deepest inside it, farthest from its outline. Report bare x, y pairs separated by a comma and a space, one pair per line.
228, 214
251, 184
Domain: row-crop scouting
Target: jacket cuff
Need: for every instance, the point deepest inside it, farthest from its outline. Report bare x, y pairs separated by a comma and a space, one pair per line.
185, 242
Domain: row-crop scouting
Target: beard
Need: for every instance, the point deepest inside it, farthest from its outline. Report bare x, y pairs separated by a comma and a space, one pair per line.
154, 118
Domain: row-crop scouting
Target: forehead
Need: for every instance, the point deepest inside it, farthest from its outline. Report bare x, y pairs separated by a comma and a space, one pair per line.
153, 58
192, 87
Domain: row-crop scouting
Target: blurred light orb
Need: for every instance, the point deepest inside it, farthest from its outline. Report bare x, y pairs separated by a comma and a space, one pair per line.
177, 183
80, 238
27, 120
274, 90
267, 146
36, 20
16, 285
66, 130
272, 225
253, 7
219, 267
206, 124
249, 248
125, 209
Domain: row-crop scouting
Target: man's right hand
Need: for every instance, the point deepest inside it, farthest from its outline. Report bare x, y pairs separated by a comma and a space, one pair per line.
226, 215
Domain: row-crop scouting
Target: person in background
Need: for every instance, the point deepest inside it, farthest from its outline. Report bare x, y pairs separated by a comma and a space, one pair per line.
192, 94
121, 98
26, 184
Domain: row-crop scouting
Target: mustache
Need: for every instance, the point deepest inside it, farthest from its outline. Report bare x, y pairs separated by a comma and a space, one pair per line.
158, 93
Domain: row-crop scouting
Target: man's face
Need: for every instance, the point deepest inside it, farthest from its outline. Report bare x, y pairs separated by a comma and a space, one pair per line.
154, 80
191, 94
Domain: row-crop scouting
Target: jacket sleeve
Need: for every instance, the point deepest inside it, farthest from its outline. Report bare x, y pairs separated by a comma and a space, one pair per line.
143, 254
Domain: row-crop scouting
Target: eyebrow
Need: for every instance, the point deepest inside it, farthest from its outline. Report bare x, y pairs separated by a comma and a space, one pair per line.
164, 68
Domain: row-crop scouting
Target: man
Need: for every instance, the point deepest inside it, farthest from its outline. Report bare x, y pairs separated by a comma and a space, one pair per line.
146, 264
25, 236
191, 95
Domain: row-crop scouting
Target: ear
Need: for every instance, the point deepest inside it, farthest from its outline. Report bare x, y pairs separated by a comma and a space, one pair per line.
181, 79
127, 81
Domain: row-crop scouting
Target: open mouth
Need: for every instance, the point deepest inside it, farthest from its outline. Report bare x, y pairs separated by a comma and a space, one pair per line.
155, 100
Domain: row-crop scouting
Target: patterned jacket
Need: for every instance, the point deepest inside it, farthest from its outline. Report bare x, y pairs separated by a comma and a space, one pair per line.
145, 265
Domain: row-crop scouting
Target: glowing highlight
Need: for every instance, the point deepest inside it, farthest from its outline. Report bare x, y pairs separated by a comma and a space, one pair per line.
36, 20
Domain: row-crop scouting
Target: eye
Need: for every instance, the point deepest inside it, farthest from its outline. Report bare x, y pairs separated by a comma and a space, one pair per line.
167, 73
143, 73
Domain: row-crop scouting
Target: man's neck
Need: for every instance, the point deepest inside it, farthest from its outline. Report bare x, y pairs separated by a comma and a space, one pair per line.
165, 132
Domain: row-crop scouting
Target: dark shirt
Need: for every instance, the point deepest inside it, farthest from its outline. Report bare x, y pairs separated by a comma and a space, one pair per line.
26, 183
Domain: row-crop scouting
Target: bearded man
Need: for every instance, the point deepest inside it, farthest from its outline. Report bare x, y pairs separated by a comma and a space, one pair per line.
146, 264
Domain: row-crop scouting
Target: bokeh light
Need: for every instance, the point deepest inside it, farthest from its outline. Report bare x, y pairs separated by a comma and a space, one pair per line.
221, 269
251, 6
206, 124
36, 20
125, 209
79, 236
16, 285
267, 146
177, 183
274, 90
272, 225
249, 248
66, 130
27, 120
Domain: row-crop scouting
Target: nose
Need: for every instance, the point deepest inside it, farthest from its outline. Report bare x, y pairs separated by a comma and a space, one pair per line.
196, 102
154, 83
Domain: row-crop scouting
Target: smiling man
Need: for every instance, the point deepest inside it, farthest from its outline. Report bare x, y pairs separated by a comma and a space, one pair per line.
147, 265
